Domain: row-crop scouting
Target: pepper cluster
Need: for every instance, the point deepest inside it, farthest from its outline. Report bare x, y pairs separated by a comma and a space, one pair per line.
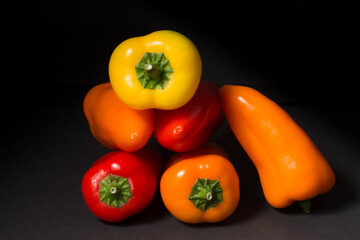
155, 90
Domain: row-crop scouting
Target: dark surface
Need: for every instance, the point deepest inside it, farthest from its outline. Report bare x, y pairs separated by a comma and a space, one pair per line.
299, 54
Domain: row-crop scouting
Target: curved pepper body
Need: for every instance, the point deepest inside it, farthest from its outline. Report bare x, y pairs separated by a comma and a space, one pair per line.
142, 171
183, 80
290, 166
180, 176
114, 124
192, 125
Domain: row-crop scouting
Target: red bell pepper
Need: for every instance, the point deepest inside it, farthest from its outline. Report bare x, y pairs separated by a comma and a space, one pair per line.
121, 184
192, 125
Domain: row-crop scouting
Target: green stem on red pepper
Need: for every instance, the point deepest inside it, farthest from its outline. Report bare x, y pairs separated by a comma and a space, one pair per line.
114, 190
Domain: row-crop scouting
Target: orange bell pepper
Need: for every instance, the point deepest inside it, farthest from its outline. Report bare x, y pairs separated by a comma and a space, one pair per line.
114, 124
200, 186
290, 166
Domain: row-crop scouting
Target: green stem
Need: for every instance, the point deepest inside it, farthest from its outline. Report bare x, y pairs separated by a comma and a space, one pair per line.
148, 67
114, 190
206, 194
153, 70
306, 205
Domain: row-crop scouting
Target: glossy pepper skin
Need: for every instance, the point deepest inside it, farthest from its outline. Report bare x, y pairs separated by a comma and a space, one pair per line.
290, 166
160, 70
114, 124
192, 125
193, 203
141, 170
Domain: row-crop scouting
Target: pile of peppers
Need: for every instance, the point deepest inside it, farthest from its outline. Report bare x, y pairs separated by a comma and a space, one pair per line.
155, 89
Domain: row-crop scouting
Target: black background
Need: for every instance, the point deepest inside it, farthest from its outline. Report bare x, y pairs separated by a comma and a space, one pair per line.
302, 54
300, 48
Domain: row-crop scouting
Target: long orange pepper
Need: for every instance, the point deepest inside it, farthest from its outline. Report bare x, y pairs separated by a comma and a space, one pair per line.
290, 166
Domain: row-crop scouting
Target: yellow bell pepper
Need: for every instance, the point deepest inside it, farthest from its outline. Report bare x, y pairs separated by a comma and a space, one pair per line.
160, 70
